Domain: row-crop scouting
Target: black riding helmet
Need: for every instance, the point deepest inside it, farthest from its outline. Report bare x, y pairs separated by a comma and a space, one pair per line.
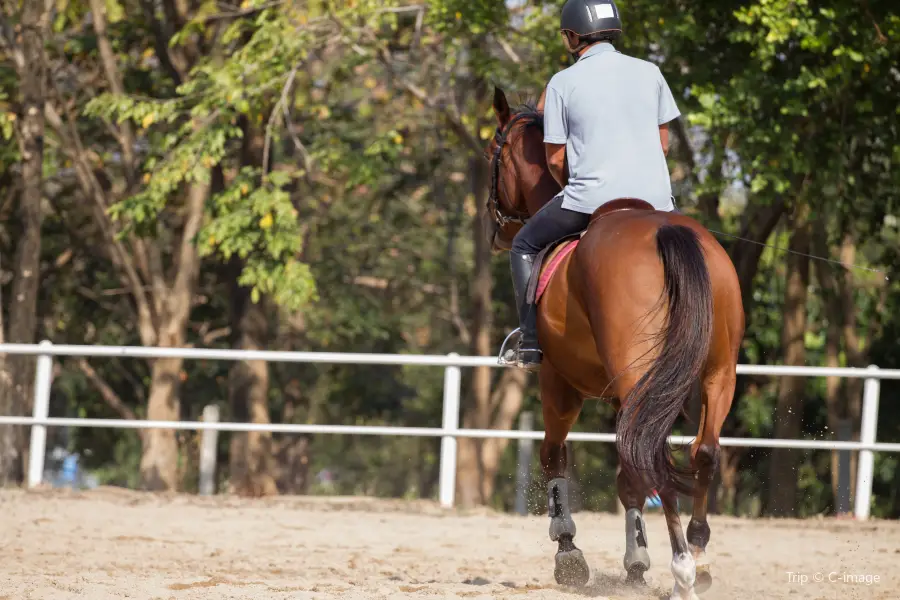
592, 19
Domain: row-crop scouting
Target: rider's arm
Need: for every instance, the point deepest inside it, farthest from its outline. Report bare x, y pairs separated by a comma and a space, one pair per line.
556, 160
667, 112
556, 133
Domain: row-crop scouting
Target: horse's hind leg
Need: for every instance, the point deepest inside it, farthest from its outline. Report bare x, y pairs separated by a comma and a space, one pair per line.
718, 392
561, 405
683, 566
637, 555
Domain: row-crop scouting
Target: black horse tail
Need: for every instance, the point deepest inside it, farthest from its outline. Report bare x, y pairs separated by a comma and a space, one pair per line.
651, 407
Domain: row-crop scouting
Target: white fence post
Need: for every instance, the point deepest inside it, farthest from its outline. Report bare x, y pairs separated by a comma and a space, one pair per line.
208, 442
450, 425
41, 409
868, 429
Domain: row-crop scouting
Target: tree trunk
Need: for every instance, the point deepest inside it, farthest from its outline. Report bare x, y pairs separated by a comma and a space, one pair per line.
8, 451
835, 406
728, 474
759, 221
845, 400
505, 406
159, 458
252, 460
856, 349
251, 454
479, 460
31, 68
293, 450
789, 409
477, 414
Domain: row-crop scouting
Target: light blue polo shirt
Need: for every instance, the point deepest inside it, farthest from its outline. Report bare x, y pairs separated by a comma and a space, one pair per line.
607, 109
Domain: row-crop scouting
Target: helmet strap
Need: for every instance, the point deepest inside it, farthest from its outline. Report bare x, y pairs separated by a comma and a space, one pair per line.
574, 53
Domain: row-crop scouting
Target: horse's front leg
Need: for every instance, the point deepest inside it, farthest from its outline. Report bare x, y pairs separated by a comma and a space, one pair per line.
561, 406
684, 568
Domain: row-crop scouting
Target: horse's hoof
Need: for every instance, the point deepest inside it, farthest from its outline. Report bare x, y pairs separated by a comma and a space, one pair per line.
678, 594
704, 579
571, 568
636, 564
636, 575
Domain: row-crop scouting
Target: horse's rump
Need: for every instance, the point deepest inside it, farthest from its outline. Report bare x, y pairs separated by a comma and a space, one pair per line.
643, 280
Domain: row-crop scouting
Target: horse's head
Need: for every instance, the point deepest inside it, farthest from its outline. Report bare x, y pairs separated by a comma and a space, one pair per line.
520, 179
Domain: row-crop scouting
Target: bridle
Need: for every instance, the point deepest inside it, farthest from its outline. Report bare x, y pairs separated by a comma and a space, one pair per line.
500, 137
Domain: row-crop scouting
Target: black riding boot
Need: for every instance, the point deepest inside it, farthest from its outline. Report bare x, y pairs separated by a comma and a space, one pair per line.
528, 353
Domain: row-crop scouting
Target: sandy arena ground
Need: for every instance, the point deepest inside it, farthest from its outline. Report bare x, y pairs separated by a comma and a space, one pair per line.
119, 544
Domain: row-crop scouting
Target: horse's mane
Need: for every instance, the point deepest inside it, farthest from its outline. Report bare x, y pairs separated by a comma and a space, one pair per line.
530, 114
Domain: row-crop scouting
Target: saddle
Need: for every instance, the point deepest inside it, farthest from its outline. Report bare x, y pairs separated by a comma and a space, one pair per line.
548, 260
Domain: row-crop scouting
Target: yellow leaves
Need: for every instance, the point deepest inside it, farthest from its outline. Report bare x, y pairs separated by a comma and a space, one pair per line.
146, 178
147, 121
324, 112
370, 83
266, 222
245, 189
212, 240
867, 68
458, 16
207, 162
398, 139
148, 53
114, 11
486, 132
662, 21
245, 4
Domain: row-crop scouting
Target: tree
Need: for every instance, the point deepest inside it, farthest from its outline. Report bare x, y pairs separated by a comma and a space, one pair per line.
25, 44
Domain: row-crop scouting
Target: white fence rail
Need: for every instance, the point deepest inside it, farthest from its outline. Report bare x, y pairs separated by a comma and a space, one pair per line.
449, 431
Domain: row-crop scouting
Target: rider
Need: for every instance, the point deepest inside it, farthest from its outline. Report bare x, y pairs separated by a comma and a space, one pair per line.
607, 114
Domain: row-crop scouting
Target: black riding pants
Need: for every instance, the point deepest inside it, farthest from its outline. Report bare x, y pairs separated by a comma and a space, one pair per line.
551, 223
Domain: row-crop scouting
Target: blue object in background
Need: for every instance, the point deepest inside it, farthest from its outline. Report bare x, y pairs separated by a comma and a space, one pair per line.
69, 473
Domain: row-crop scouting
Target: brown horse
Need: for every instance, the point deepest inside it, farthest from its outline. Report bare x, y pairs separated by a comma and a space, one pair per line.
646, 311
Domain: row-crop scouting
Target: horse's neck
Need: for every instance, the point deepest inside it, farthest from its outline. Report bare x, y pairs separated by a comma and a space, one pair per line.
542, 193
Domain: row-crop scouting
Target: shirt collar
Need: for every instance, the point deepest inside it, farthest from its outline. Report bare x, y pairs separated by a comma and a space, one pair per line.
597, 49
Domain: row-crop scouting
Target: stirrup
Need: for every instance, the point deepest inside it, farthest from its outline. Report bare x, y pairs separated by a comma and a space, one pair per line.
508, 357
511, 357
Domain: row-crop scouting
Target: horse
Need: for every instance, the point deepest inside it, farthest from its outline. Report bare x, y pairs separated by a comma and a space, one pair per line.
644, 312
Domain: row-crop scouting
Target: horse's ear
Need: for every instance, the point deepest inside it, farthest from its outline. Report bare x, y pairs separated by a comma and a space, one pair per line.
501, 107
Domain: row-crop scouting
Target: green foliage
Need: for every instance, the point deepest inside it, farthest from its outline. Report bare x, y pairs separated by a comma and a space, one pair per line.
259, 224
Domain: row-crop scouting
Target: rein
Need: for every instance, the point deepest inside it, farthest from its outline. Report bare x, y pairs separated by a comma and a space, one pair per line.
501, 137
